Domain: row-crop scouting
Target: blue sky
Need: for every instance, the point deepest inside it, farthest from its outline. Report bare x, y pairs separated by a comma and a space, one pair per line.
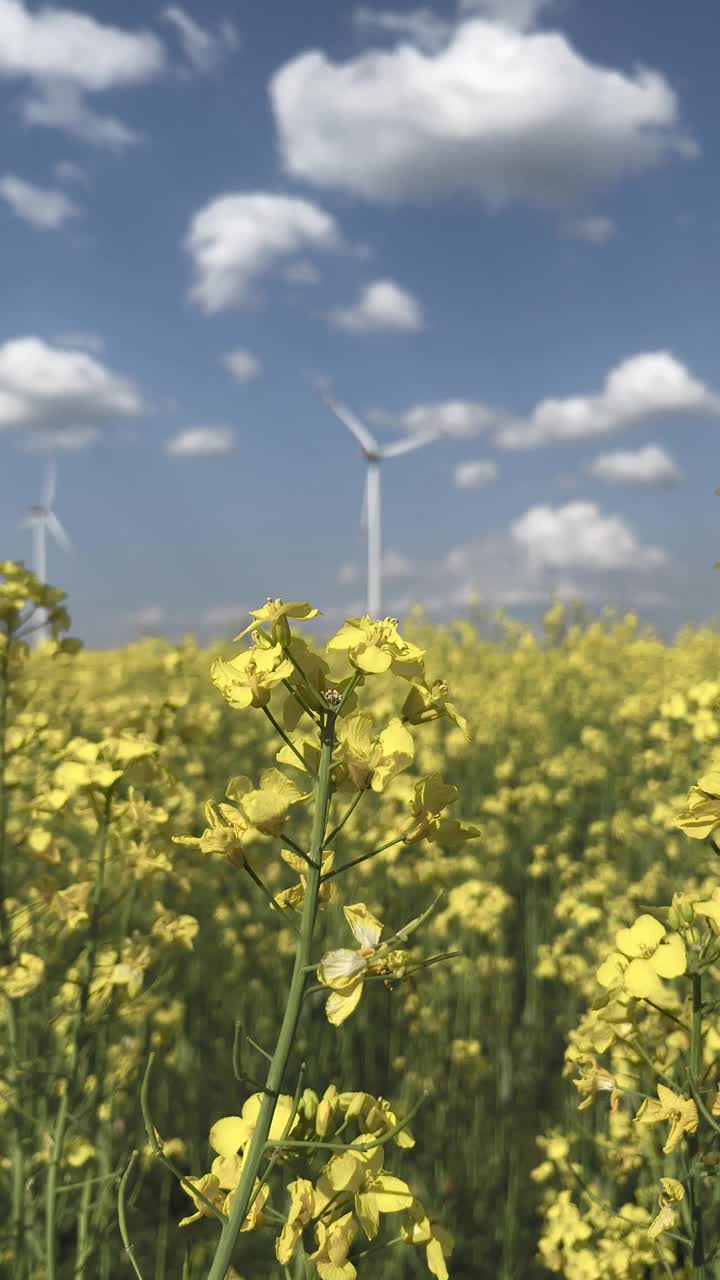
493, 219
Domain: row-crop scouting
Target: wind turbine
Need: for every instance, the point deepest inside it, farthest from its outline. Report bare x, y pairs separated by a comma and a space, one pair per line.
42, 519
373, 454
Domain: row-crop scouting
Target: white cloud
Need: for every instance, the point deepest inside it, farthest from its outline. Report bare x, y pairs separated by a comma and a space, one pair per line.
201, 441
236, 237
51, 389
395, 565
650, 466
596, 230
513, 13
243, 365
40, 206
577, 536
60, 105
422, 26
146, 619
67, 171
504, 114
458, 419
471, 475
224, 615
381, 305
203, 50
65, 54
642, 387
347, 574
69, 439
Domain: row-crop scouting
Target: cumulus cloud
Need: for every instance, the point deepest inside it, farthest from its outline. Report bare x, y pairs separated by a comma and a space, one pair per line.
395, 565
67, 171
650, 467
42, 207
302, 272
236, 237
66, 54
502, 113
60, 391
577, 536
203, 49
422, 26
148, 618
458, 419
224, 615
381, 305
471, 475
596, 230
199, 441
348, 573
642, 387
513, 13
243, 365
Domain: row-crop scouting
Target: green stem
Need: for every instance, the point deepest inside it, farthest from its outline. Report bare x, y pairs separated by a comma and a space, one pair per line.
696, 1209
130, 1251
63, 1114
81, 1248
358, 796
279, 729
293, 1008
363, 858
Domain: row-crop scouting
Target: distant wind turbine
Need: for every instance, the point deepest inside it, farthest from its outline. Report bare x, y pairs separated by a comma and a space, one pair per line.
373, 454
42, 519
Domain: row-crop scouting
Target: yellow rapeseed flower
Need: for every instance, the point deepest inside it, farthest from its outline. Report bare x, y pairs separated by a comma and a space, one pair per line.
248, 679
344, 971
701, 816
373, 762
681, 1112
333, 1245
426, 703
229, 1135
431, 796
646, 954
374, 647
277, 612
672, 1192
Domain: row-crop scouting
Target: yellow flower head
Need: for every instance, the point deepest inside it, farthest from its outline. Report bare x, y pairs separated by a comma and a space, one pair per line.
344, 970
681, 1112
671, 1193
646, 954
277, 612
425, 703
229, 1135
374, 647
333, 1245
249, 678
373, 762
701, 816
431, 796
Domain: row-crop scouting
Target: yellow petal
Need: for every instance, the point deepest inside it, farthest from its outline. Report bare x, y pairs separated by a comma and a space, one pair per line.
365, 926
228, 1135
392, 1194
670, 959
644, 936
340, 1006
341, 968
641, 980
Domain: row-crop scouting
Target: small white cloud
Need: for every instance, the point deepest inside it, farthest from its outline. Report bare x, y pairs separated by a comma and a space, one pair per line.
204, 50
596, 230
651, 467
520, 14
382, 305
67, 171
224, 615
422, 26
61, 105
201, 441
243, 365
235, 238
395, 566
457, 419
50, 388
642, 387
146, 619
40, 206
347, 574
471, 475
65, 438
578, 536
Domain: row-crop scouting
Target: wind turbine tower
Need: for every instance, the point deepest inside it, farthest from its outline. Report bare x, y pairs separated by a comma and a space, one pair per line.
42, 520
373, 454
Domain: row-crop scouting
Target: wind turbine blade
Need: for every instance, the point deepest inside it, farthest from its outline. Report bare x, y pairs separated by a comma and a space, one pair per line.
55, 528
49, 490
352, 423
405, 446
